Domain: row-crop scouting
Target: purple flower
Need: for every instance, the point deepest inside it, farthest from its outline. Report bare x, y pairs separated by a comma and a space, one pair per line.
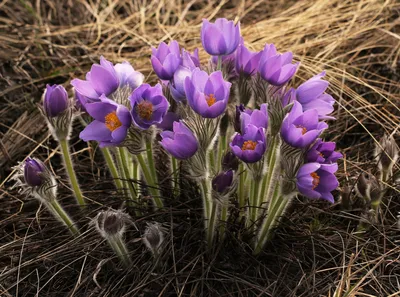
102, 79
168, 121
221, 38
323, 152
166, 59
81, 101
32, 170
300, 129
311, 95
149, 105
180, 143
207, 94
247, 61
258, 118
222, 182
251, 146
189, 63
288, 97
110, 125
55, 100
128, 76
316, 180
277, 69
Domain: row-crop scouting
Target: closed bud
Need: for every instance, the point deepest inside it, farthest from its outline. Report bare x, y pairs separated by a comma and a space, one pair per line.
387, 153
55, 100
222, 182
153, 237
32, 172
368, 188
111, 223
230, 161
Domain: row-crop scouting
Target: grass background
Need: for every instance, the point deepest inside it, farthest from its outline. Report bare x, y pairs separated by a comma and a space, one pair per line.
315, 251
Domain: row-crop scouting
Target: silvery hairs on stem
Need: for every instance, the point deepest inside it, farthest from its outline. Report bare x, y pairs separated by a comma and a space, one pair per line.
153, 238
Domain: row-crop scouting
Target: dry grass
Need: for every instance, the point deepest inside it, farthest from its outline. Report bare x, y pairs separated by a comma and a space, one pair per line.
315, 252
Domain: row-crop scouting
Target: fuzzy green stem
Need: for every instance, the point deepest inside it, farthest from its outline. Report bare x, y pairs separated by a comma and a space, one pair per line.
60, 213
219, 63
253, 205
120, 249
113, 169
150, 161
221, 150
155, 193
175, 173
242, 188
211, 224
224, 220
71, 173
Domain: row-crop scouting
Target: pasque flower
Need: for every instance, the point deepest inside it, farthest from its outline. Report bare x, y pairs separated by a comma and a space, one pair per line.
207, 94
149, 105
323, 152
127, 76
55, 100
221, 38
189, 63
311, 95
249, 147
316, 180
247, 61
180, 143
223, 181
258, 118
300, 129
168, 121
277, 69
166, 59
110, 125
32, 172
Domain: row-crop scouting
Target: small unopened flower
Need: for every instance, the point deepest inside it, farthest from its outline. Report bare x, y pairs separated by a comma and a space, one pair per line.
323, 152
288, 97
368, 188
230, 161
168, 121
311, 95
258, 118
300, 129
222, 182
249, 147
316, 180
55, 100
149, 105
110, 125
166, 59
153, 238
387, 153
33, 171
277, 69
127, 76
180, 143
247, 62
207, 94
221, 38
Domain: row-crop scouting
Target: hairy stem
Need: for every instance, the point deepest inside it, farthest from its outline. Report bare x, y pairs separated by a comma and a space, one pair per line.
155, 193
63, 217
113, 168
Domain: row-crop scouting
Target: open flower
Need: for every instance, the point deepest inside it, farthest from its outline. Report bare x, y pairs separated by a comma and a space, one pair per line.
323, 152
207, 94
300, 129
180, 143
55, 100
247, 61
316, 180
258, 118
221, 38
110, 125
32, 172
166, 59
311, 95
277, 69
251, 146
149, 105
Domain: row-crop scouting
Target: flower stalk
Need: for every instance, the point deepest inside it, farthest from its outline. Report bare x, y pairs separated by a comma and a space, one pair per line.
58, 212
113, 169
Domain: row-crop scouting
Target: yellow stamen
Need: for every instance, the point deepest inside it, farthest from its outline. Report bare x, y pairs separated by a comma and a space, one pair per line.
112, 121
211, 99
145, 110
316, 179
303, 129
249, 145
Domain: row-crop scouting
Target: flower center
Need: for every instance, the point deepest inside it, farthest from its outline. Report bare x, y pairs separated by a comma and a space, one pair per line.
211, 99
303, 129
316, 179
145, 110
112, 121
249, 145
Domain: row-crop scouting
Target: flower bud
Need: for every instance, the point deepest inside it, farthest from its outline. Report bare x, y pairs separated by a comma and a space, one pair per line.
111, 223
32, 170
387, 153
230, 161
153, 237
222, 182
55, 100
368, 188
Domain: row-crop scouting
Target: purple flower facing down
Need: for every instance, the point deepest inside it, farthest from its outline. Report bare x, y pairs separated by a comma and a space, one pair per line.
128, 76
189, 63
102, 79
55, 100
258, 118
222, 182
316, 180
251, 146
277, 69
207, 94
221, 38
166, 59
32, 170
311, 95
180, 143
247, 61
300, 129
149, 105
288, 97
168, 121
323, 152
110, 125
